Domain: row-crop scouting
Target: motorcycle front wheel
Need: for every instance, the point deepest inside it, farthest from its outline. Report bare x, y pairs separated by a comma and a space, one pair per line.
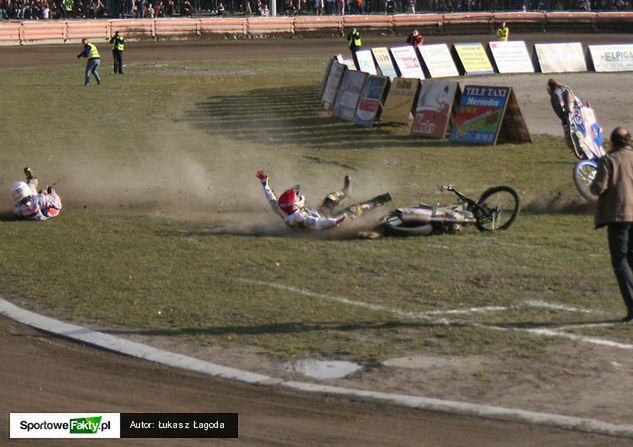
584, 173
497, 209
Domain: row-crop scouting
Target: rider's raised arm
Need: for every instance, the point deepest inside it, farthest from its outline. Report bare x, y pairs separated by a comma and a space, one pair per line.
271, 197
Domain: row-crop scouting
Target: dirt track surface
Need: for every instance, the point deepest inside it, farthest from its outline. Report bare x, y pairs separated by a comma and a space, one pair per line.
43, 373
40, 373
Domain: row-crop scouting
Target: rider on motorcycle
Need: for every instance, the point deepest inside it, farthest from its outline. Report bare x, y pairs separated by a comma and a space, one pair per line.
563, 102
291, 206
562, 99
31, 205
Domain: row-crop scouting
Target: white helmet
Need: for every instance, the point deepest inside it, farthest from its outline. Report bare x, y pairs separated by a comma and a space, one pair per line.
20, 191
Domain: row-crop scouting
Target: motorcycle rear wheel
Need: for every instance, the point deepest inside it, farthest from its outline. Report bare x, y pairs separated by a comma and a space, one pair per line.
498, 208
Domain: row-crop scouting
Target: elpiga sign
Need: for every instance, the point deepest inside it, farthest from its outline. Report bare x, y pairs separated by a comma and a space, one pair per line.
482, 114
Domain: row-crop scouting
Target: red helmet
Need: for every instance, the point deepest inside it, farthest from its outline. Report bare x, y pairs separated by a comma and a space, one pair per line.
291, 200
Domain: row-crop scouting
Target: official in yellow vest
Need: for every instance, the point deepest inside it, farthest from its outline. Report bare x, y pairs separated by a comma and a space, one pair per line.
92, 54
354, 42
118, 46
503, 32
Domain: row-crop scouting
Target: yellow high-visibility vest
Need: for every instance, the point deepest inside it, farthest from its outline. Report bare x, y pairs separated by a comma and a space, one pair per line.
119, 43
503, 33
93, 53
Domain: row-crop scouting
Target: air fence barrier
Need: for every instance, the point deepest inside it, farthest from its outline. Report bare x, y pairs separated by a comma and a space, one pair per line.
40, 32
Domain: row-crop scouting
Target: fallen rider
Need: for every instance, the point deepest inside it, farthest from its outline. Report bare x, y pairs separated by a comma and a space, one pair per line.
291, 206
31, 205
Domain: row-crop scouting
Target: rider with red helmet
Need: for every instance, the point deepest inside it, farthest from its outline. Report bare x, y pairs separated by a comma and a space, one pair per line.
291, 206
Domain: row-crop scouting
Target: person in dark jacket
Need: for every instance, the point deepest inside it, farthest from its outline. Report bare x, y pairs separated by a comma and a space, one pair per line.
613, 185
415, 38
355, 43
118, 46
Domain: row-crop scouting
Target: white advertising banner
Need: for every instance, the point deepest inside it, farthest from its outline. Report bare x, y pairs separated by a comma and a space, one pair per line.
612, 57
438, 60
383, 59
560, 57
349, 63
407, 62
366, 62
511, 56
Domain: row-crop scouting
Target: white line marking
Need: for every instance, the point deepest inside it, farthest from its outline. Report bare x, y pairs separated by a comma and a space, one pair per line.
592, 340
340, 299
139, 350
559, 332
546, 305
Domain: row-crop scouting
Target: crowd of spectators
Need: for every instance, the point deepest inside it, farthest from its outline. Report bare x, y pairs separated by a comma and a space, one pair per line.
70, 9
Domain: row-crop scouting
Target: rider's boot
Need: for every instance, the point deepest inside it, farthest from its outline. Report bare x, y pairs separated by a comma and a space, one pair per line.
29, 174
31, 180
347, 187
334, 198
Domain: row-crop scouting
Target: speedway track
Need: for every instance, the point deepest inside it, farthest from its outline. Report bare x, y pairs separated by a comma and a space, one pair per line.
43, 373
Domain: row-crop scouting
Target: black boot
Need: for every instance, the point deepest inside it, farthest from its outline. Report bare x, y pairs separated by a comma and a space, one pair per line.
29, 174
347, 187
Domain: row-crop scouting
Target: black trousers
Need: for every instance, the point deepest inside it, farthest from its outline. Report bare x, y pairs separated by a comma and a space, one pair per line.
118, 61
621, 249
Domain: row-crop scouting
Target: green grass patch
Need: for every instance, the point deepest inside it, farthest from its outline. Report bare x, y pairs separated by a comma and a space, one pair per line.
152, 164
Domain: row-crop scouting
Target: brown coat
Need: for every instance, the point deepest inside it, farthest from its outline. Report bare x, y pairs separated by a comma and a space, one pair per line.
614, 185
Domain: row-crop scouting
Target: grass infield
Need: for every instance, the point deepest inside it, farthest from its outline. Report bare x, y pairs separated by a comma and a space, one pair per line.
166, 230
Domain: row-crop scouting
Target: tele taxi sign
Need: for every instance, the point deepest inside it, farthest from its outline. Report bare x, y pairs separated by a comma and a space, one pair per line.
480, 113
608, 58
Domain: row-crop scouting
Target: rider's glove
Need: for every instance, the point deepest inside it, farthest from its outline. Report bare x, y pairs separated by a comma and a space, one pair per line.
263, 177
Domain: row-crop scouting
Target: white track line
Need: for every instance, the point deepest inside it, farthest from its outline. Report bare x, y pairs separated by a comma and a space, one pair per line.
546, 305
139, 350
426, 316
339, 299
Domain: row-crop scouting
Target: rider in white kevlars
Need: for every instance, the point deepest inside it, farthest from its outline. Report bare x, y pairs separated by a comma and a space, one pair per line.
290, 206
31, 205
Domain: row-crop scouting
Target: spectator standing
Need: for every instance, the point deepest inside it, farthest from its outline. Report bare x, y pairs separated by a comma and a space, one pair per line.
67, 11
118, 46
45, 11
614, 186
185, 10
415, 38
503, 32
409, 6
355, 43
92, 54
390, 6
319, 5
